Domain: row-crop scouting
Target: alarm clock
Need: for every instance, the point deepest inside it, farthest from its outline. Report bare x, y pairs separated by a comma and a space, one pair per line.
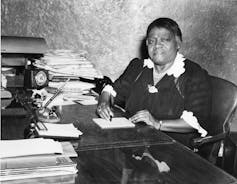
36, 78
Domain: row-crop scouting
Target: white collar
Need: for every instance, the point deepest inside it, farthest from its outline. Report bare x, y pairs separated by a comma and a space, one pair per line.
176, 69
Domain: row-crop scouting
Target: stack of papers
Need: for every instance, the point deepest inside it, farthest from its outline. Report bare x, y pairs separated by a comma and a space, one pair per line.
73, 86
36, 158
33, 167
10, 148
68, 63
60, 131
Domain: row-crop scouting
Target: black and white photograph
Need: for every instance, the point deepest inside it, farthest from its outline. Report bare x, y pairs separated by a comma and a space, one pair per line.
118, 92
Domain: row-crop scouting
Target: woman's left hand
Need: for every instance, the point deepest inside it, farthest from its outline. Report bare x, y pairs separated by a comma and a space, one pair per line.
143, 116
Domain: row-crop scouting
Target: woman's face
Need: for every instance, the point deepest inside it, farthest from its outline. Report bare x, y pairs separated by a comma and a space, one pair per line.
162, 46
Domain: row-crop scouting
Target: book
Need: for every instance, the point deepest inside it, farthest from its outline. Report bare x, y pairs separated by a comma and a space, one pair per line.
118, 122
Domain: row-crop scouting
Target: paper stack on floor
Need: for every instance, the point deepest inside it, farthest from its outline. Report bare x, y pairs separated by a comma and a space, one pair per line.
34, 158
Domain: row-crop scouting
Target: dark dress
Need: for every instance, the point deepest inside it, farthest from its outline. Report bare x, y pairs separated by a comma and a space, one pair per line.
191, 91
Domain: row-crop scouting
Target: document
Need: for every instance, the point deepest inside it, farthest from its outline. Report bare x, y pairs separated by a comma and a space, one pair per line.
36, 166
36, 174
26, 147
32, 158
118, 122
73, 86
61, 63
57, 130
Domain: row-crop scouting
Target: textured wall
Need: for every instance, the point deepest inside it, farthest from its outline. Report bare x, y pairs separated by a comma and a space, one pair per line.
111, 30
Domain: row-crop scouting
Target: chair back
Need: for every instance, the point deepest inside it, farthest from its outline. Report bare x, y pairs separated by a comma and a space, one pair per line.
224, 103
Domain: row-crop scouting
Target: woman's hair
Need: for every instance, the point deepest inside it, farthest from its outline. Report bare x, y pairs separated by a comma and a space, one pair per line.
166, 23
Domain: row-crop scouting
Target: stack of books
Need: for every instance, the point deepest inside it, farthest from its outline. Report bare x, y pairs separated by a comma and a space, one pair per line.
36, 158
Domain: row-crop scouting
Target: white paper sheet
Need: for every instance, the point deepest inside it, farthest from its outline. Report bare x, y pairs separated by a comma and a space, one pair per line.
25, 147
118, 122
59, 130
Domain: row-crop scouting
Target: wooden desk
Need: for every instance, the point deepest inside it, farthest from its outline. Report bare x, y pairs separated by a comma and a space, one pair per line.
94, 138
185, 167
103, 154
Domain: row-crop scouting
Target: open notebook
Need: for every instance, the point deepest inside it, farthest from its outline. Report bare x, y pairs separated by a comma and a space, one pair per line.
118, 122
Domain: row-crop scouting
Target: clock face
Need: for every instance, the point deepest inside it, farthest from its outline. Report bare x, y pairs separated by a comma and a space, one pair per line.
40, 78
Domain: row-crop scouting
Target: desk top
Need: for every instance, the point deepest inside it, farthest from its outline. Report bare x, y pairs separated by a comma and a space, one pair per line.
105, 155
185, 167
95, 138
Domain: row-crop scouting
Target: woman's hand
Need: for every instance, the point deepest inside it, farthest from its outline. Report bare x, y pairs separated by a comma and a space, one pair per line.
103, 108
144, 116
104, 111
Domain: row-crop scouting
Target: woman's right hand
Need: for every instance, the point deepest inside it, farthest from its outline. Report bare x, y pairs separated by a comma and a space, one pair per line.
103, 108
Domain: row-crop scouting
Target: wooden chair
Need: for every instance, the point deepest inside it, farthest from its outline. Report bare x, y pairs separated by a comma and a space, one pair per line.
224, 104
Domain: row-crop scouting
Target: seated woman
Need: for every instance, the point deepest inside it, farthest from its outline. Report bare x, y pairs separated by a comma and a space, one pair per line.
166, 90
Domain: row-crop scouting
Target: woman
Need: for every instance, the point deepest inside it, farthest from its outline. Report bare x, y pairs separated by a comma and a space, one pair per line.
166, 91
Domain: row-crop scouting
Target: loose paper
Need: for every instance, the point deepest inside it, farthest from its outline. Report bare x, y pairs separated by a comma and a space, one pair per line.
25, 147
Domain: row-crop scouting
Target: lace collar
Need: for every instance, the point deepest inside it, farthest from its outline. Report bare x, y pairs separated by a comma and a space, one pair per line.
176, 69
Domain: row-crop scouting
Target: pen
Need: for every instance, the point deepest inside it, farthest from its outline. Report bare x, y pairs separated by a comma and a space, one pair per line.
56, 94
120, 108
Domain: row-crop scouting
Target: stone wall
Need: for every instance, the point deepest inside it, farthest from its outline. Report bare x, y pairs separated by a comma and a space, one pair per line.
111, 31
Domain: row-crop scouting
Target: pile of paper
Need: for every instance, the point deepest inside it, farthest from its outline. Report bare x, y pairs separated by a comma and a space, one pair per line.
73, 86
68, 63
54, 130
36, 158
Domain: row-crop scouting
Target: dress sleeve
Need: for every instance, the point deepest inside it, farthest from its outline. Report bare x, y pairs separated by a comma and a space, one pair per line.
198, 95
123, 84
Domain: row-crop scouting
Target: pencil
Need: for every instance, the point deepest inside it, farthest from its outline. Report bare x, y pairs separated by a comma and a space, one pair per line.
56, 94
